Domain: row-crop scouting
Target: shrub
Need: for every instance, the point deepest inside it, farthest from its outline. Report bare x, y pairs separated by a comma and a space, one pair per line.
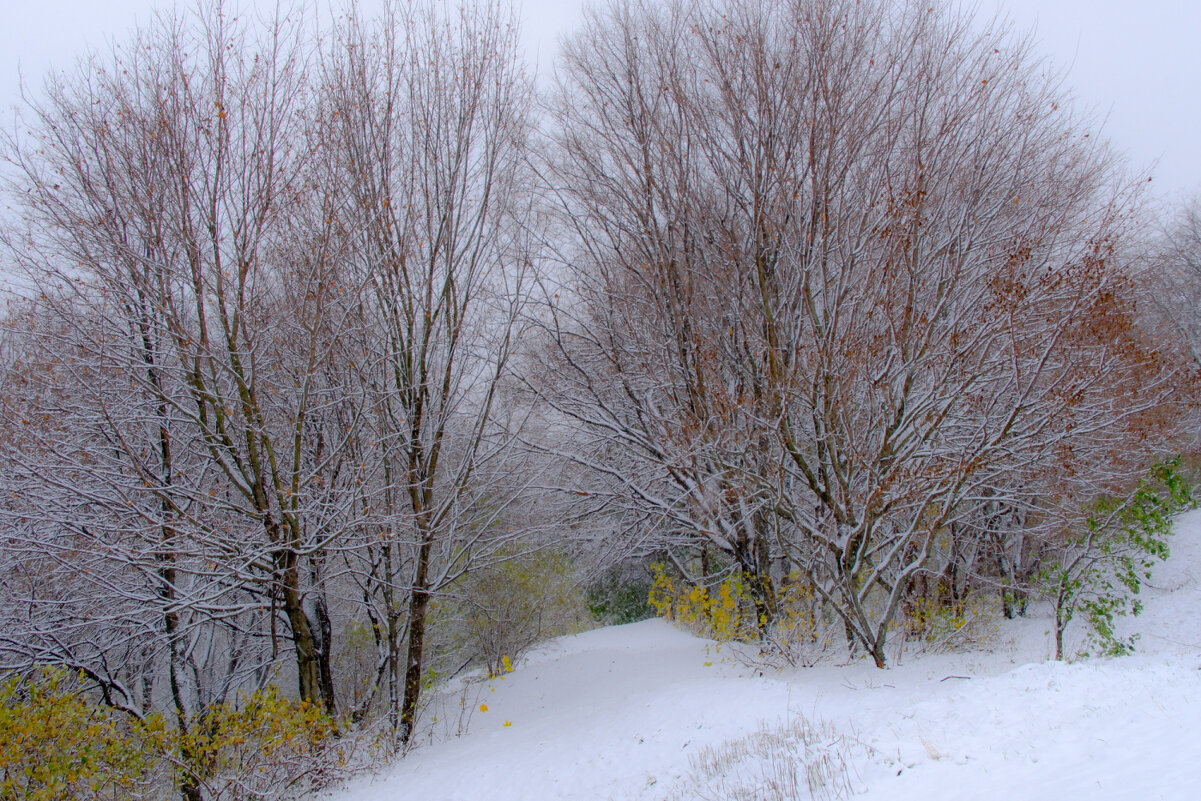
803, 627
501, 611
354, 660
725, 612
937, 621
55, 744
263, 746
620, 596
718, 612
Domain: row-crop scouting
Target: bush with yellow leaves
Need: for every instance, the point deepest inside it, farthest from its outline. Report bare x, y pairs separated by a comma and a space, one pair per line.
723, 612
798, 634
263, 746
933, 618
55, 744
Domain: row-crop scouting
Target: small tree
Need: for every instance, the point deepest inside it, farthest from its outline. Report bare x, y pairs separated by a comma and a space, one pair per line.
503, 610
1101, 568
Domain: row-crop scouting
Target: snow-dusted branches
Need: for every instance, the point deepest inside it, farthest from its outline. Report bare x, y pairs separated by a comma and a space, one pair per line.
839, 271
274, 289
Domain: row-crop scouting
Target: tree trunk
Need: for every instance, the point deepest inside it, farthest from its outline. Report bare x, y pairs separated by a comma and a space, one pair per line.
753, 560
325, 636
418, 608
308, 661
878, 651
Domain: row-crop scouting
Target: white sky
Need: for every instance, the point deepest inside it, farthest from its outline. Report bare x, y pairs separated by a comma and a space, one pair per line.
1137, 64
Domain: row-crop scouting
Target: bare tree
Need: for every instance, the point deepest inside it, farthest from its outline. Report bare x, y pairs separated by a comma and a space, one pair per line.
277, 284
173, 239
1175, 282
847, 267
427, 112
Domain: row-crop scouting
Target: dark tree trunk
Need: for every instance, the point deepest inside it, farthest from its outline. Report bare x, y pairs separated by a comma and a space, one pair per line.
418, 609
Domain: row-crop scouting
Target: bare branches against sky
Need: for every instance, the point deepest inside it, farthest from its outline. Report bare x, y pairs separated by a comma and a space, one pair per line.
1135, 64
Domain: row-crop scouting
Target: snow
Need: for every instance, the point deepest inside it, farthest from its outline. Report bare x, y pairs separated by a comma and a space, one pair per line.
648, 712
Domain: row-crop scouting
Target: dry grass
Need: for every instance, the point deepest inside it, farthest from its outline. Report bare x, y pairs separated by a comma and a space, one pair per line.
789, 762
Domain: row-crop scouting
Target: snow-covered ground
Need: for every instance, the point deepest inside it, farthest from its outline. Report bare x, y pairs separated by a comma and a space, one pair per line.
648, 712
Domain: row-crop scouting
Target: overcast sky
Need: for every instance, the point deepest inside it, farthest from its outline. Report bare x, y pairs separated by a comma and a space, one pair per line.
1137, 64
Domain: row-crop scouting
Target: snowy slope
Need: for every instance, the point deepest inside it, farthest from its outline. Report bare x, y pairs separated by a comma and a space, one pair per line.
627, 713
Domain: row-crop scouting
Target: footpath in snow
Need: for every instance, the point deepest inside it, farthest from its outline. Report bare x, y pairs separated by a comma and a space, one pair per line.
648, 712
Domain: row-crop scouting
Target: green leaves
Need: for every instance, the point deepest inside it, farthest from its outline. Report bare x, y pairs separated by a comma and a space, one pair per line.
1101, 570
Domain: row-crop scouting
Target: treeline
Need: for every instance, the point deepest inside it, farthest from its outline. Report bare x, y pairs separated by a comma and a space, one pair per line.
335, 351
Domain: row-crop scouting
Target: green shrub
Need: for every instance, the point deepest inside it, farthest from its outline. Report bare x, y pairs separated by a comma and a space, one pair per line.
620, 596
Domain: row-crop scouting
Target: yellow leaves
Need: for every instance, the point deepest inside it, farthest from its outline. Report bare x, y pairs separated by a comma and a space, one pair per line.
508, 723
56, 744
713, 614
483, 707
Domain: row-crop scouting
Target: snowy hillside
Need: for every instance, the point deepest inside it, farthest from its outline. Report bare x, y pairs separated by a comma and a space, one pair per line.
651, 713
